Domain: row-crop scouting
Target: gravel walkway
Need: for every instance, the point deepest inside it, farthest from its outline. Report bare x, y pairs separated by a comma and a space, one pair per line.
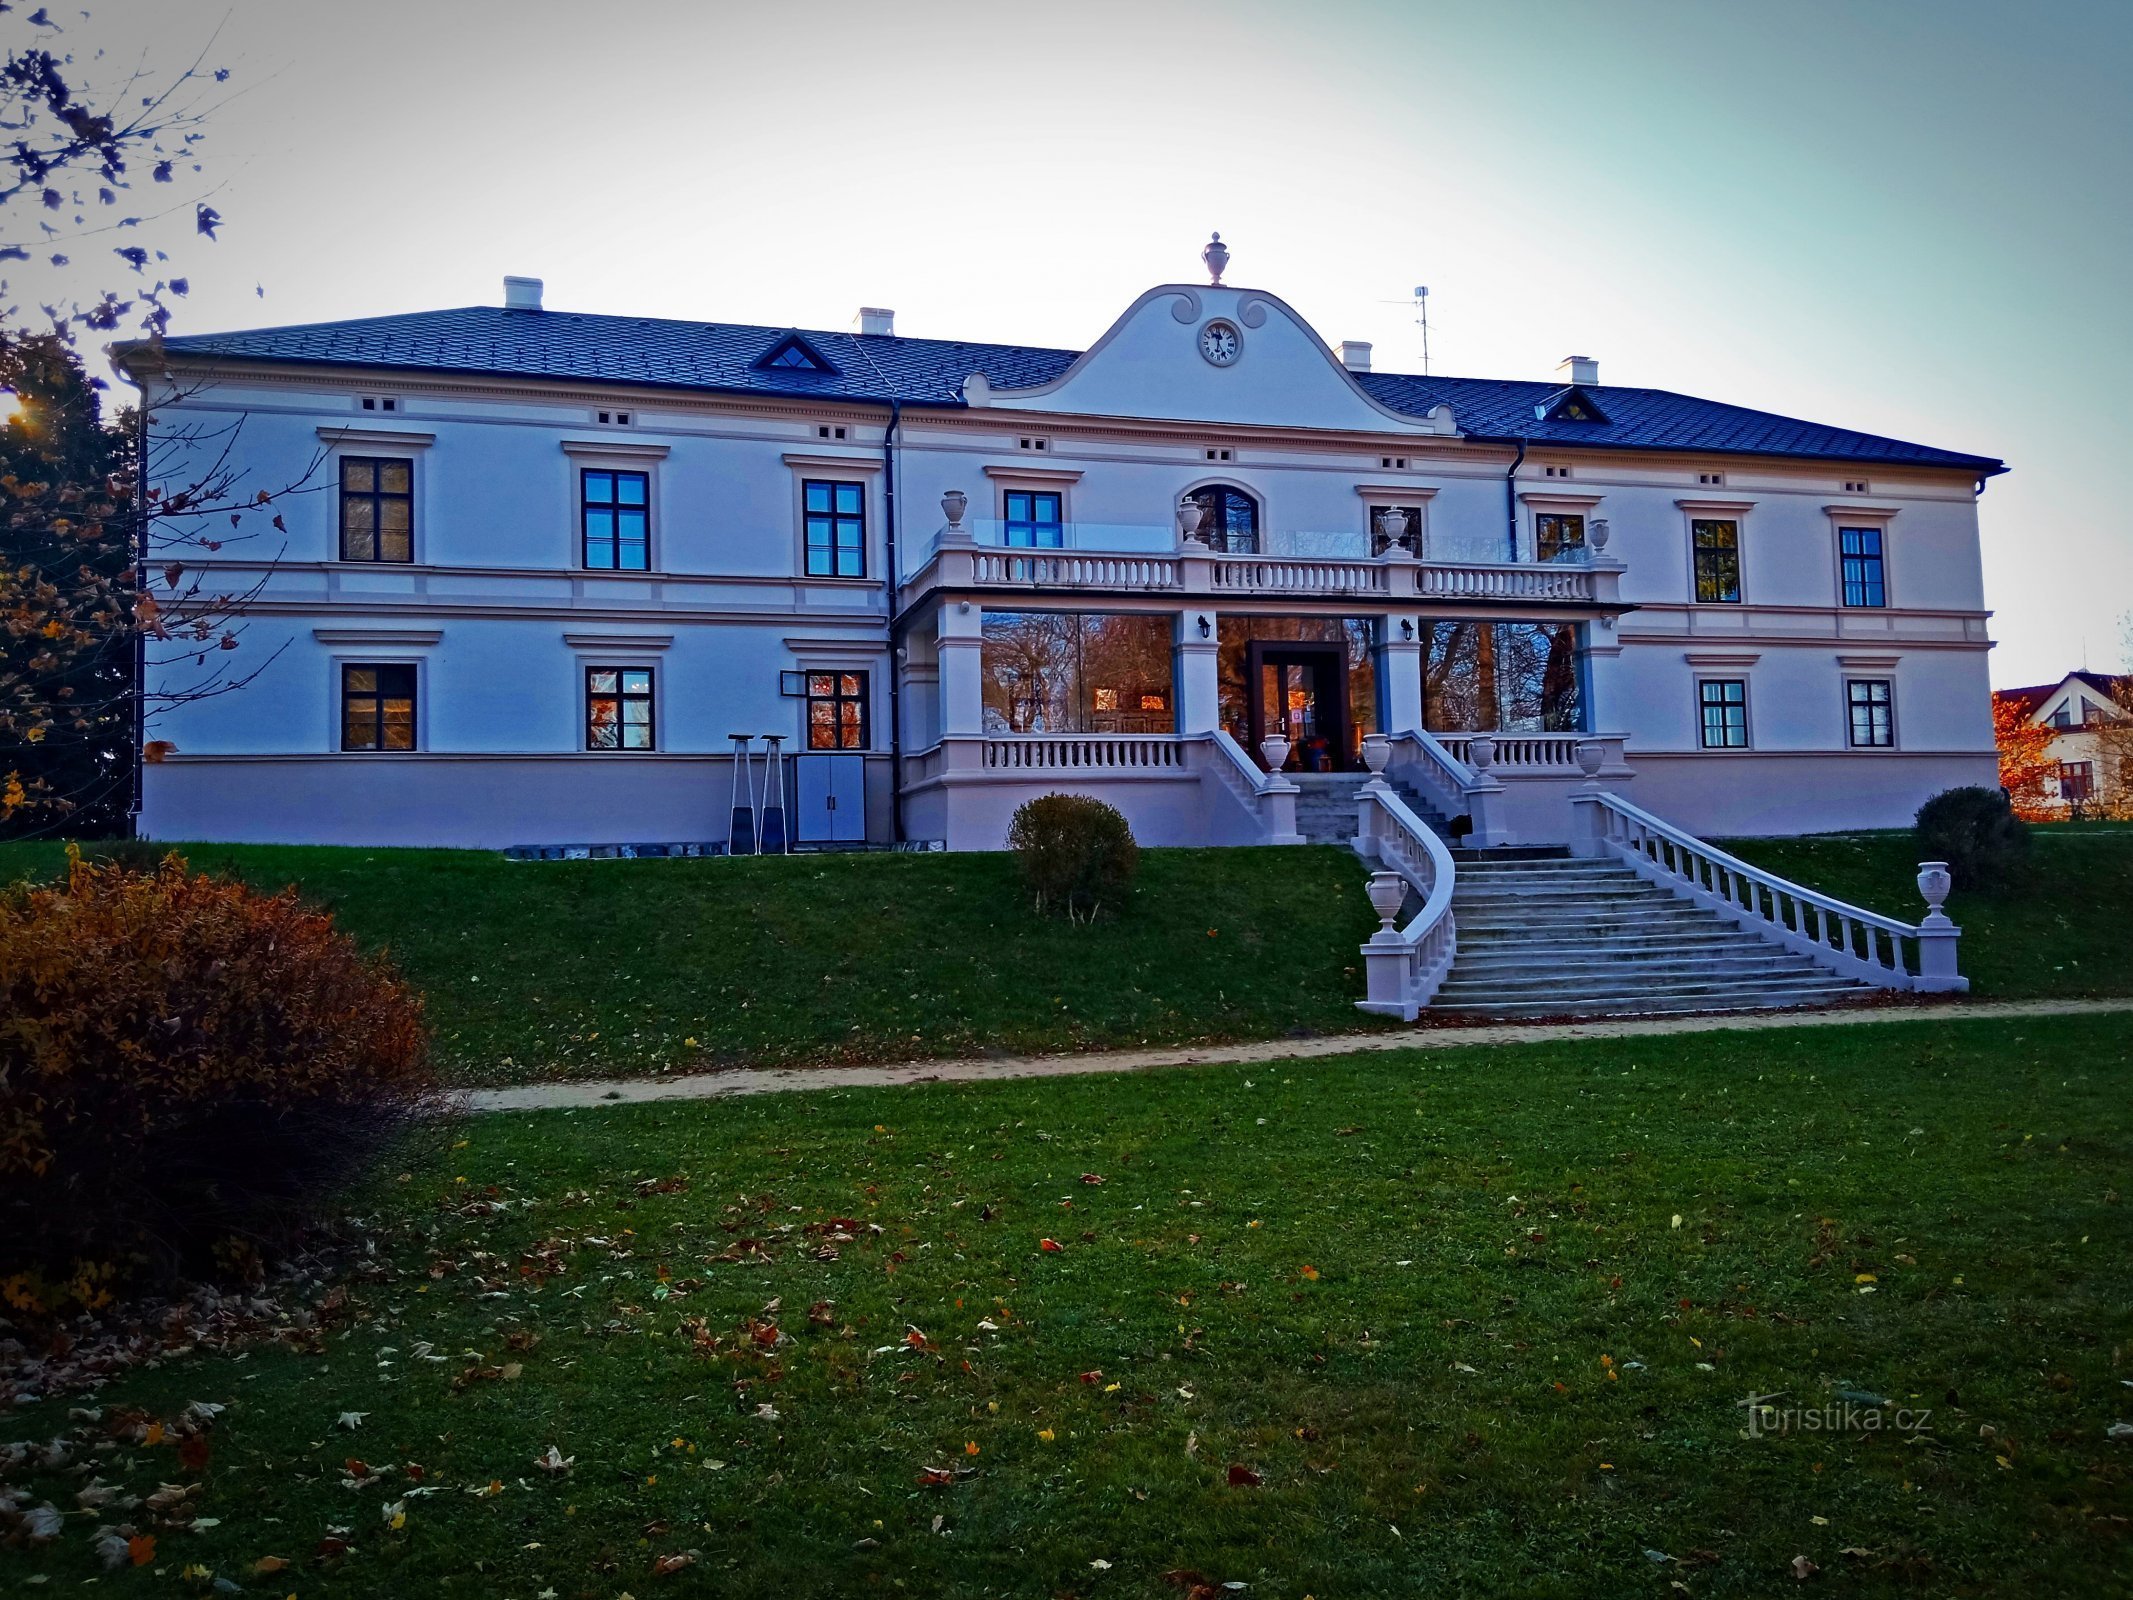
772, 1080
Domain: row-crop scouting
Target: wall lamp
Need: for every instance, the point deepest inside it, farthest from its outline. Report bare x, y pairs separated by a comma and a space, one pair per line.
1206, 627
1407, 628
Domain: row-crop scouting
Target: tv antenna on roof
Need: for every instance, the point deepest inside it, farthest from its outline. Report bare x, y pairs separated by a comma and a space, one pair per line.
1420, 302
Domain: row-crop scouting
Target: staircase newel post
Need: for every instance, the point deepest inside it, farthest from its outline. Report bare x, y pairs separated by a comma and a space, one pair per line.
1484, 798
1937, 935
1387, 958
1377, 755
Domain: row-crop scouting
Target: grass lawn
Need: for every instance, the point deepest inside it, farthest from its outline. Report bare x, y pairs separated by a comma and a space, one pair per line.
598, 968
1474, 1322
2067, 929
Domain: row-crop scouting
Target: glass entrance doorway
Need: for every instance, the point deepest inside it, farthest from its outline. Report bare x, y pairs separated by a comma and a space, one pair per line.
1300, 692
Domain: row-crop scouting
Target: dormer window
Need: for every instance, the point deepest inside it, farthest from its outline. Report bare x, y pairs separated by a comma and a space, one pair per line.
793, 353
1570, 405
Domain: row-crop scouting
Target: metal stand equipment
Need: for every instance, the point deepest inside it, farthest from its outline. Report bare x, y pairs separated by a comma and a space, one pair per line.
772, 834
740, 834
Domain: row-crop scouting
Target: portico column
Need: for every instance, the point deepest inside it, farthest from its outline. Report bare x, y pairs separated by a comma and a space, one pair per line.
1199, 672
960, 643
1401, 667
1606, 693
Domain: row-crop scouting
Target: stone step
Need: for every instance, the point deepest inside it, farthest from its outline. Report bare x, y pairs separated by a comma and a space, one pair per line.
1572, 930
1535, 944
1650, 1005
1510, 980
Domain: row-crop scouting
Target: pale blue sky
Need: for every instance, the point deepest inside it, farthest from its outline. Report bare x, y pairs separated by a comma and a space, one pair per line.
1910, 216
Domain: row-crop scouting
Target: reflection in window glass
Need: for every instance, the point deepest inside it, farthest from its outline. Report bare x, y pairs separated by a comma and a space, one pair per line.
1501, 677
618, 708
1356, 635
1077, 672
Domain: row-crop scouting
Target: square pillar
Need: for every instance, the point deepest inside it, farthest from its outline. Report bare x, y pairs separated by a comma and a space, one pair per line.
1199, 679
958, 644
1400, 673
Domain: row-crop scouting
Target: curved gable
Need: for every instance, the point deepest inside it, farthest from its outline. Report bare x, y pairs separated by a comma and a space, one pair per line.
1149, 364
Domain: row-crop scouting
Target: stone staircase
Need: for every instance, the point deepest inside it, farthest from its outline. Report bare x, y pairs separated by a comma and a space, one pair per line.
1325, 806
1543, 935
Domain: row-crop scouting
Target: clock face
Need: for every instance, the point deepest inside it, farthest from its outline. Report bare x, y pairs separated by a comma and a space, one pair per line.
1220, 343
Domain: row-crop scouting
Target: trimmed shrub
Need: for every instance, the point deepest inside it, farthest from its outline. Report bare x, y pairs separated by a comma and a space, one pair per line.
1977, 833
188, 1070
1077, 853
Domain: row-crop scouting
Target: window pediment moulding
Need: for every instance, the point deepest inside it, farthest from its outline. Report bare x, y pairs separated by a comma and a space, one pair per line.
1862, 513
1022, 474
645, 642
376, 438
831, 463
403, 638
616, 449
1547, 500
1722, 508
1398, 493
1721, 658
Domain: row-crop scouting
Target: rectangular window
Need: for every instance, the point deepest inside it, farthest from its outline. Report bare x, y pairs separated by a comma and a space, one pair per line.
377, 508
2062, 718
1556, 536
1859, 550
1033, 521
1724, 703
2077, 781
1077, 672
1717, 544
618, 708
836, 711
1868, 700
1395, 527
1509, 677
616, 508
836, 529
378, 707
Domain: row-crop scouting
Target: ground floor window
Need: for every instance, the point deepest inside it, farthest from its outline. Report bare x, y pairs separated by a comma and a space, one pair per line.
2077, 782
1501, 677
1868, 703
836, 710
1078, 672
618, 708
1723, 703
1310, 680
378, 707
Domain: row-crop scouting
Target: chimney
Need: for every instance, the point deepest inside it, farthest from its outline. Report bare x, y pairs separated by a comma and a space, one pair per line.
522, 294
1581, 370
1355, 355
873, 319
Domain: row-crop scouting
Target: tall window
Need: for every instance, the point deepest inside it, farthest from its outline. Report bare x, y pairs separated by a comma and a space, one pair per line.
1717, 545
1724, 704
1033, 520
377, 508
1231, 521
1556, 536
618, 708
1501, 677
1077, 672
1859, 552
378, 707
617, 511
836, 711
836, 529
1867, 701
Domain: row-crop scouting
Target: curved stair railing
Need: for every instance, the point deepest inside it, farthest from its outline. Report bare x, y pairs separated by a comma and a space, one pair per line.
1268, 796
1845, 939
1404, 966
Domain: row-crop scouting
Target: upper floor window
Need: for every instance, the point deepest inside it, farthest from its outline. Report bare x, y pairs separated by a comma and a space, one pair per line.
377, 508
378, 707
618, 708
1557, 534
616, 510
836, 711
1723, 703
2063, 718
1230, 519
1859, 553
1717, 542
836, 529
1867, 703
1033, 520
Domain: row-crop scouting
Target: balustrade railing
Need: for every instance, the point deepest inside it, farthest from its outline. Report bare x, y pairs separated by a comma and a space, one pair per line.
1072, 569
1433, 765
1405, 965
1549, 752
1496, 580
1844, 939
1086, 753
1275, 575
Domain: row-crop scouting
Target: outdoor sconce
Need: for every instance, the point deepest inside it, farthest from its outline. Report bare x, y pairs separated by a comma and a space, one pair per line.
1206, 627
1407, 628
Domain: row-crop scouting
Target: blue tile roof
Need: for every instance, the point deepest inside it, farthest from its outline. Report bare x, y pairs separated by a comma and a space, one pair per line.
724, 357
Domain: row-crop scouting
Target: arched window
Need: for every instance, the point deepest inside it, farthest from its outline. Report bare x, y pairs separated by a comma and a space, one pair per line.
1231, 522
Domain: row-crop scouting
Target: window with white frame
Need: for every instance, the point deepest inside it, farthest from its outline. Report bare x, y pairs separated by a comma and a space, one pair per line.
1869, 705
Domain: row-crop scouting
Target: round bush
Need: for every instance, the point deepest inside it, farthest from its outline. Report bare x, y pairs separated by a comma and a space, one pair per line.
188, 1069
1976, 832
1077, 853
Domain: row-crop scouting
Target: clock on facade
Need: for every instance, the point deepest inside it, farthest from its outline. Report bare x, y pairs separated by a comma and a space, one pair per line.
1221, 343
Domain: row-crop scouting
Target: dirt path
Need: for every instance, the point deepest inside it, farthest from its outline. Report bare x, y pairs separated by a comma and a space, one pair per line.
772, 1080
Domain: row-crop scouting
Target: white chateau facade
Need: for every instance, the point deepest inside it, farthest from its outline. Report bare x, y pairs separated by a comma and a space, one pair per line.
546, 565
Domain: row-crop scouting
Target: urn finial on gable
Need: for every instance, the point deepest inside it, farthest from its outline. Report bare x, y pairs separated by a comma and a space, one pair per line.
1216, 254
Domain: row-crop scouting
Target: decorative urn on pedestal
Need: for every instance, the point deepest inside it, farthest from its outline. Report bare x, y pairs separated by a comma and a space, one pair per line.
1591, 755
1274, 749
954, 503
1377, 754
1216, 254
1191, 514
1388, 892
1392, 531
1934, 882
1481, 754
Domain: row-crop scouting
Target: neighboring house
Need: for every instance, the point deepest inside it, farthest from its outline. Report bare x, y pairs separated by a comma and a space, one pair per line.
555, 560
2091, 752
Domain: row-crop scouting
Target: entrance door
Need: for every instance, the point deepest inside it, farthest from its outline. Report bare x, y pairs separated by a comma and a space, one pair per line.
1300, 691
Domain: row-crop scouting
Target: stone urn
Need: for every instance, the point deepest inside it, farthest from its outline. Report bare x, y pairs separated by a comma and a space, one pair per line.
1481, 754
1934, 882
1190, 515
1388, 892
1377, 753
1392, 530
1598, 533
1215, 254
955, 503
1592, 755
1274, 750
